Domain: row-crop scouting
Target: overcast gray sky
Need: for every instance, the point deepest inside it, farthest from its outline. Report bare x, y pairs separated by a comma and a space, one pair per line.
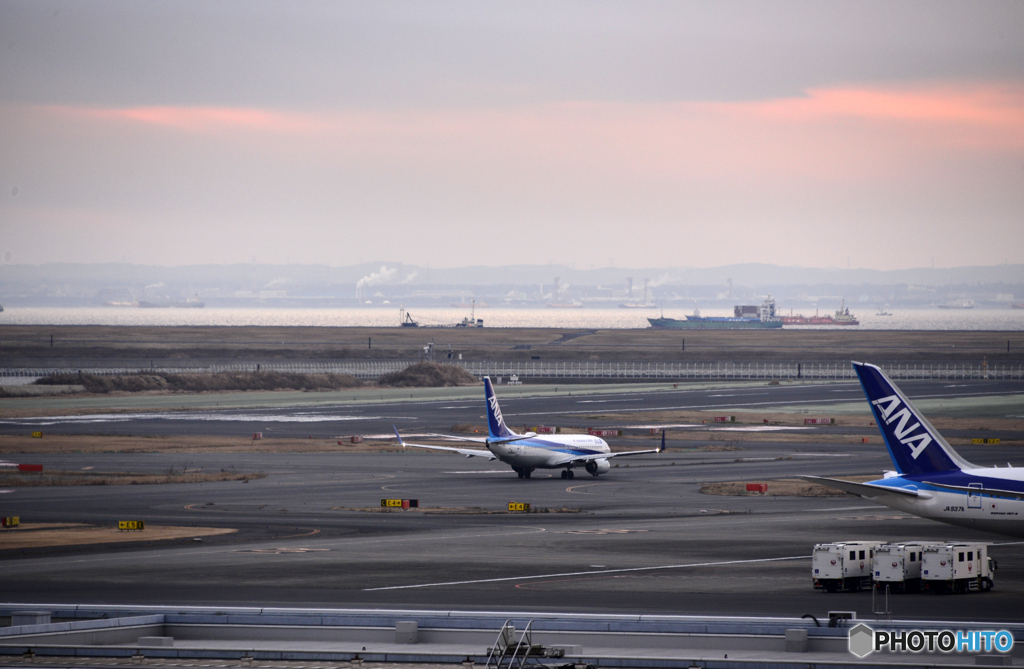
885, 135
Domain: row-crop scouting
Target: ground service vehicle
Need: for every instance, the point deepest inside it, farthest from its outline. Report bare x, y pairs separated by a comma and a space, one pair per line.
957, 568
899, 566
843, 565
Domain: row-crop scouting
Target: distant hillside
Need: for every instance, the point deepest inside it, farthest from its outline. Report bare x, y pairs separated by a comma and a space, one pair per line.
318, 286
262, 276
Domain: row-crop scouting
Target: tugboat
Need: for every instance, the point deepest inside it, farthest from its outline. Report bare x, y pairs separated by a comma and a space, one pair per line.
472, 321
844, 317
762, 317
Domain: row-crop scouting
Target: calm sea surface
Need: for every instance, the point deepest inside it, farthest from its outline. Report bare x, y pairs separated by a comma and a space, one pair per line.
916, 319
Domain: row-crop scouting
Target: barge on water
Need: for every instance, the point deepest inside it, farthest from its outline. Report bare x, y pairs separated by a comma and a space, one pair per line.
761, 317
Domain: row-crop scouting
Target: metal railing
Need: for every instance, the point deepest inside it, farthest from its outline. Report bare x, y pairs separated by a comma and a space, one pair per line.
507, 653
577, 370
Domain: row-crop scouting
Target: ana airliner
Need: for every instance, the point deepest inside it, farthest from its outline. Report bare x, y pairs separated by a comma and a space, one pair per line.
527, 452
931, 480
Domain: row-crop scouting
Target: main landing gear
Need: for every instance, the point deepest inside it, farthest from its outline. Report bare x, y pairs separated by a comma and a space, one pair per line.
567, 474
523, 473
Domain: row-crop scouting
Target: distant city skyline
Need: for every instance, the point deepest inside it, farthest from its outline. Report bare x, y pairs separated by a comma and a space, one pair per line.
873, 135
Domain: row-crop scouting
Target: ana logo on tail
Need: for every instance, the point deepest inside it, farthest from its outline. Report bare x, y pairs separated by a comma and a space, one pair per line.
887, 407
496, 411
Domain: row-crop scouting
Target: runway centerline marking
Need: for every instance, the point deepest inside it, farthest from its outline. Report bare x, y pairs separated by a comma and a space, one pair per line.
590, 573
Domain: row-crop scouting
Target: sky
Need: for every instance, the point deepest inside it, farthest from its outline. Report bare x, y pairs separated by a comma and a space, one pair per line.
881, 135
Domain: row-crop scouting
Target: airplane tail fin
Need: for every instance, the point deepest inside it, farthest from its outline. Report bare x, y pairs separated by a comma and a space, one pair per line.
661, 449
495, 423
914, 445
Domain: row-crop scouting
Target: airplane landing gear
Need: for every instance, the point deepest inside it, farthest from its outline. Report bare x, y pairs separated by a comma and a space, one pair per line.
523, 473
568, 474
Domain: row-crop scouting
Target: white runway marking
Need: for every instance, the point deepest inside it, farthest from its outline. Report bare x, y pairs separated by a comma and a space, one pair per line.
185, 416
822, 455
732, 405
666, 426
758, 428
590, 573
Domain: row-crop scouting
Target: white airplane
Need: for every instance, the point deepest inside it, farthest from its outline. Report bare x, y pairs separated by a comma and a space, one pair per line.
526, 452
931, 480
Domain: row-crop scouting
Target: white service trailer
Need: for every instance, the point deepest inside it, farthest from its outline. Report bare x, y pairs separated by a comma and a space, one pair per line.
843, 565
957, 568
899, 566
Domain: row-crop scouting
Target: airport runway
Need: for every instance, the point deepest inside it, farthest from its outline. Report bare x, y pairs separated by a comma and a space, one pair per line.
639, 539
332, 415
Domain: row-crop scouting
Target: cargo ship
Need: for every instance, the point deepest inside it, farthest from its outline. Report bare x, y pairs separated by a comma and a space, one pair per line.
745, 317
842, 317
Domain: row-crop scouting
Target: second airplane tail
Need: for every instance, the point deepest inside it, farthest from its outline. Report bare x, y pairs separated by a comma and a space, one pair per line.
915, 446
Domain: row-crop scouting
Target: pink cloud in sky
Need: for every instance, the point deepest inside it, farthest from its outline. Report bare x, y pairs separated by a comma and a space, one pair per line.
207, 119
843, 136
993, 106
830, 134
924, 155
982, 116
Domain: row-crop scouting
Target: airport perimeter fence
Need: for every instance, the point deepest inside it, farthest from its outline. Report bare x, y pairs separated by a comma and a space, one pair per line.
665, 371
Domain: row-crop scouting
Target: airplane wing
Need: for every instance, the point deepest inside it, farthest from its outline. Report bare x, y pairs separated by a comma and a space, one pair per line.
867, 490
607, 456
599, 456
1012, 494
487, 440
468, 452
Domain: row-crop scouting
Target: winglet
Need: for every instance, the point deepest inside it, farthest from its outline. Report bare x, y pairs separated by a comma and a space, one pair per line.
661, 448
398, 436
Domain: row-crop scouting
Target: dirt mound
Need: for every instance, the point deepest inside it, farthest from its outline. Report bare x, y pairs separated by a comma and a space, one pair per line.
66, 478
429, 375
781, 488
220, 381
